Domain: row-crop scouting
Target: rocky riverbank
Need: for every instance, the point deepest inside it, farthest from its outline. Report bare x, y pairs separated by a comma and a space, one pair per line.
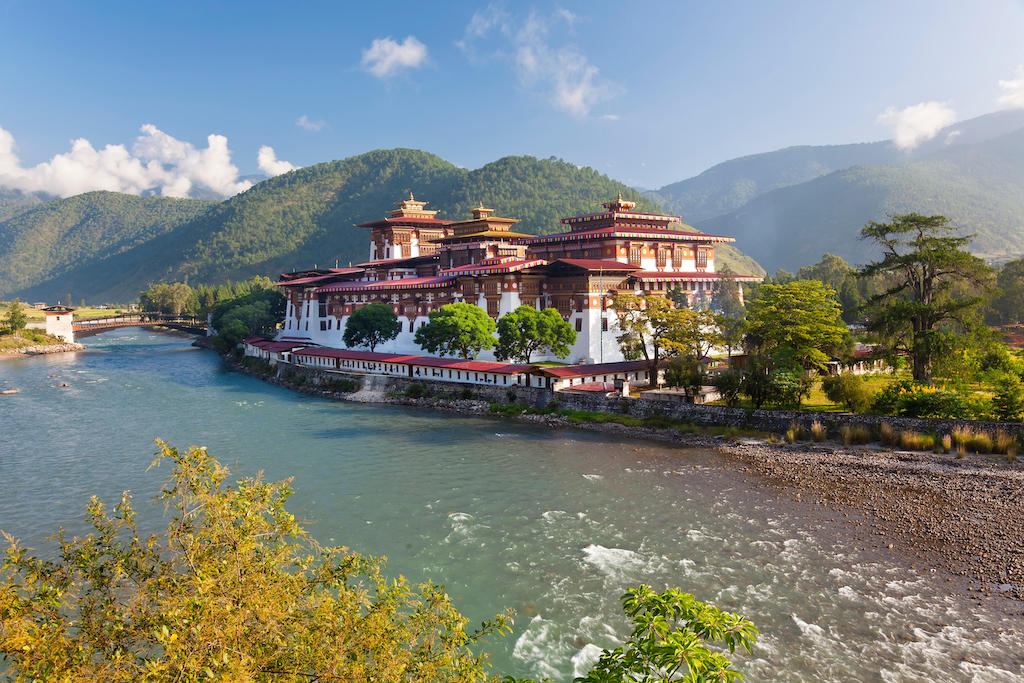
40, 349
963, 515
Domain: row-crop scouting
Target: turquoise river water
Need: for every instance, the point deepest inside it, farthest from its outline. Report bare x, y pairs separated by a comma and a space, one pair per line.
555, 524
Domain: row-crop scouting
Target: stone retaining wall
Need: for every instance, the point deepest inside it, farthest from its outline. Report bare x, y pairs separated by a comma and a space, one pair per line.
45, 348
774, 421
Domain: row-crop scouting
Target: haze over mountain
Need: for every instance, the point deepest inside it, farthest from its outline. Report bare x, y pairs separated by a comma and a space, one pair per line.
106, 246
786, 208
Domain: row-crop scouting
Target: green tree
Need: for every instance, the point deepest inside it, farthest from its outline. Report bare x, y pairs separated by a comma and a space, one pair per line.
645, 322
835, 272
1008, 402
370, 325
729, 384
686, 373
458, 329
726, 298
1009, 305
233, 589
172, 298
803, 316
757, 383
526, 331
16, 318
934, 283
257, 312
849, 390
670, 641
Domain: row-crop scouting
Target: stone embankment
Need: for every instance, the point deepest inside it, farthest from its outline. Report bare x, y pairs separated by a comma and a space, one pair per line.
37, 350
965, 515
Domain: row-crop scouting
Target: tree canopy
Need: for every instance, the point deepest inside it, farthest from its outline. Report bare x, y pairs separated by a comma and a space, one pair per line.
802, 316
371, 325
526, 331
935, 284
458, 329
15, 318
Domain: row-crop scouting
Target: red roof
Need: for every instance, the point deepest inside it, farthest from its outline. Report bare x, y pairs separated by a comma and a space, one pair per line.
596, 264
318, 278
401, 283
472, 365
403, 220
273, 346
592, 386
421, 361
697, 275
595, 369
495, 266
626, 232
348, 354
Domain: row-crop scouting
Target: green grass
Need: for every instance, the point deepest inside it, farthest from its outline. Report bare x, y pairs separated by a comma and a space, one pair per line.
653, 422
23, 338
86, 313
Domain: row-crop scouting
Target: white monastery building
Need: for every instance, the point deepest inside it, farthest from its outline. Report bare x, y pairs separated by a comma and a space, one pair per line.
419, 262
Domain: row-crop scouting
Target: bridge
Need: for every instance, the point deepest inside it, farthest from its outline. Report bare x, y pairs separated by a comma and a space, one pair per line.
183, 323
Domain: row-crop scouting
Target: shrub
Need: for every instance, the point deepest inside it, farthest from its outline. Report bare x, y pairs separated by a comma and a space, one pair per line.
854, 434
1008, 402
887, 436
416, 390
848, 390
914, 441
818, 431
342, 385
728, 383
1004, 442
917, 400
967, 439
947, 443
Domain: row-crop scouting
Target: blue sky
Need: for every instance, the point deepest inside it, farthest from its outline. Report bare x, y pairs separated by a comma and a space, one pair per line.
647, 92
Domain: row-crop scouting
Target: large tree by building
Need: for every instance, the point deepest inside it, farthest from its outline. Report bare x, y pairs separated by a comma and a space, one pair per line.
936, 286
651, 328
526, 331
801, 316
458, 329
370, 325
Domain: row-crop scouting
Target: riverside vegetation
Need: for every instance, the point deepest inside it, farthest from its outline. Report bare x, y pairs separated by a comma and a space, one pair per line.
235, 589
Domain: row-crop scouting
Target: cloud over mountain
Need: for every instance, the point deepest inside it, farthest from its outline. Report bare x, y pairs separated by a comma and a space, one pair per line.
158, 163
919, 123
1013, 91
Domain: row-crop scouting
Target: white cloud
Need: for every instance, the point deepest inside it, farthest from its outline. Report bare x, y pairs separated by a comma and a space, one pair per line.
567, 77
157, 163
952, 136
915, 124
305, 122
270, 164
610, 117
385, 57
1013, 91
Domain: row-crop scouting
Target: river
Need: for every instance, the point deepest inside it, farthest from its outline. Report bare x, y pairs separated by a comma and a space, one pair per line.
555, 524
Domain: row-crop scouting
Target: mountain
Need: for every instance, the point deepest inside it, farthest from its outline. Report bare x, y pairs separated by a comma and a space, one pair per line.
294, 220
732, 184
15, 202
979, 187
56, 237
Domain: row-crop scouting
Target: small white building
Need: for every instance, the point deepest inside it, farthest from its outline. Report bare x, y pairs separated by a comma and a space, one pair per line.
60, 322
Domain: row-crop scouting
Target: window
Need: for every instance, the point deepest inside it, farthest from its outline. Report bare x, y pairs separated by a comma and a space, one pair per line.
604, 324
662, 257
492, 307
579, 324
635, 254
702, 259
323, 325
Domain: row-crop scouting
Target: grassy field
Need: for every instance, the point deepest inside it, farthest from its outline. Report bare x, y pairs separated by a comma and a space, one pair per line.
37, 316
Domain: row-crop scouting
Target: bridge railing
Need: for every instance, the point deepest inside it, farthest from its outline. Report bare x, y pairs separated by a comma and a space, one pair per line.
138, 318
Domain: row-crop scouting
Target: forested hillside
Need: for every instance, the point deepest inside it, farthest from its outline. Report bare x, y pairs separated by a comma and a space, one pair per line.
307, 217
58, 236
14, 202
979, 187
